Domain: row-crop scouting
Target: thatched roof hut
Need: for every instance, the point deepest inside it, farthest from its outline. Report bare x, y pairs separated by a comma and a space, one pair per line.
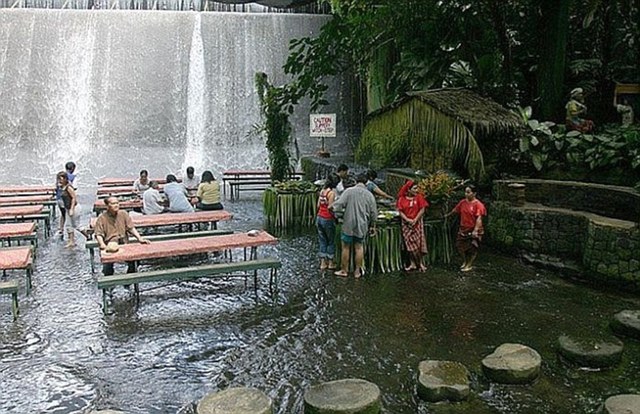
436, 129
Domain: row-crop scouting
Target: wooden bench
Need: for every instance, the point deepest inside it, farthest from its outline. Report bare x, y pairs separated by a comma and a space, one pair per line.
91, 245
106, 283
11, 288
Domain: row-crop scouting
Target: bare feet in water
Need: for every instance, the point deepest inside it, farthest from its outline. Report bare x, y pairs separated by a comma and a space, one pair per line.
341, 273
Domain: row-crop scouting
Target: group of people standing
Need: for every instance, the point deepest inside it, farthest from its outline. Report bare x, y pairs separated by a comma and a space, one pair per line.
355, 200
202, 193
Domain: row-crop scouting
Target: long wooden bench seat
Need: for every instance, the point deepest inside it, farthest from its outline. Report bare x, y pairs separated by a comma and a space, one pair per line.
91, 245
184, 273
11, 288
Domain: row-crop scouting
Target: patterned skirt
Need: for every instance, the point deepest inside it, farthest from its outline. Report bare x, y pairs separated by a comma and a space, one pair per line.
414, 238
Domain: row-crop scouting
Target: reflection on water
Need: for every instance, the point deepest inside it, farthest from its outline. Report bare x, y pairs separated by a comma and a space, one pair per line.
191, 338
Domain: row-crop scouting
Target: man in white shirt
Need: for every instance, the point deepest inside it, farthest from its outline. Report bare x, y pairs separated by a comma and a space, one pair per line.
191, 181
152, 200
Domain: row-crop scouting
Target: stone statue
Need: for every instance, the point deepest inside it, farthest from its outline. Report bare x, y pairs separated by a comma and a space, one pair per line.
576, 110
625, 109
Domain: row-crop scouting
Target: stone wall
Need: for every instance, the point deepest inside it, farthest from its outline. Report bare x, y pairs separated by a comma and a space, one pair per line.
604, 249
606, 200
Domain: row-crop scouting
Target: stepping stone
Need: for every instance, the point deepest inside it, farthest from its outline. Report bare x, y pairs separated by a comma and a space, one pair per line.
593, 353
238, 400
347, 396
512, 364
621, 404
627, 323
442, 380
106, 412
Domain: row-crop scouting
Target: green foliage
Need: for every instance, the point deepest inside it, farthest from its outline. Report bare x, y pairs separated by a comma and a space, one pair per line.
548, 146
275, 126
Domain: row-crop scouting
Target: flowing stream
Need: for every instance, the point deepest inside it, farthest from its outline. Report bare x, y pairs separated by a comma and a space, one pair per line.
191, 338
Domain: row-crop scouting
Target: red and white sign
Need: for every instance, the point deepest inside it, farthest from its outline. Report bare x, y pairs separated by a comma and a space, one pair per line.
322, 125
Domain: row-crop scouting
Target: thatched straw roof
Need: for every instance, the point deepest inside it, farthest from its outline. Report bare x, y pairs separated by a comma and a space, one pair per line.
477, 113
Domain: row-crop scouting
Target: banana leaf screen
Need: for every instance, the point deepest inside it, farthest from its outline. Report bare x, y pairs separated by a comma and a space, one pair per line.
286, 210
384, 252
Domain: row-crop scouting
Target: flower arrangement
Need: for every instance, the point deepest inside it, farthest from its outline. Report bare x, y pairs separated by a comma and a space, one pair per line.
438, 186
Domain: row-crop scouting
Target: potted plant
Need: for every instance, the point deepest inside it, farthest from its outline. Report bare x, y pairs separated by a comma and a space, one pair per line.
437, 188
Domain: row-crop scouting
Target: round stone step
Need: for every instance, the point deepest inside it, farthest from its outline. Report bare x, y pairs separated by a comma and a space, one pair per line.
237, 400
346, 396
593, 352
627, 323
442, 380
621, 404
106, 412
512, 364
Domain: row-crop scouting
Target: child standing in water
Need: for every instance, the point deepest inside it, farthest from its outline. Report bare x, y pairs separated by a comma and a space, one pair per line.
70, 168
70, 201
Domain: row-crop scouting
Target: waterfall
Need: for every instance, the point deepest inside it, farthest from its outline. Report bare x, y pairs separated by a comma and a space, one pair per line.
197, 95
117, 91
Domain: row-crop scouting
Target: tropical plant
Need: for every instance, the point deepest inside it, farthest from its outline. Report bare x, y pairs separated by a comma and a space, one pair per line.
438, 186
275, 125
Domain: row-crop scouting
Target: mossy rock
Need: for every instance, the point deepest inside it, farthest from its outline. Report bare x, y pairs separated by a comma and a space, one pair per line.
346, 396
621, 404
592, 352
239, 400
512, 364
627, 323
443, 380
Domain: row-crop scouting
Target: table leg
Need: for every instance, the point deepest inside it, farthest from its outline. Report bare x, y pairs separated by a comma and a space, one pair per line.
14, 305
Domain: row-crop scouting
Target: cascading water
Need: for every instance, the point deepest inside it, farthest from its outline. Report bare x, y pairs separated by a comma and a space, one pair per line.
196, 103
118, 91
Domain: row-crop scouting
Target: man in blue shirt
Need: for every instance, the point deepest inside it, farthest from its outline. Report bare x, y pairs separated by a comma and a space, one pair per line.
177, 196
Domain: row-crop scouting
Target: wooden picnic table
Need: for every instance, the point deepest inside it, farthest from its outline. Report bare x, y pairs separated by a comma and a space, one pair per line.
25, 200
19, 211
118, 190
238, 180
27, 213
18, 231
182, 247
169, 219
17, 258
113, 182
99, 206
27, 190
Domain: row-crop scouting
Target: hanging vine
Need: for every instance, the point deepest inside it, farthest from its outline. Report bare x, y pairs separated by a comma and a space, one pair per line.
275, 126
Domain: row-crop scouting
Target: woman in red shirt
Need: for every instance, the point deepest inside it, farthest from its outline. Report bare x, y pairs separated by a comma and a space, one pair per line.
326, 222
471, 211
411, 207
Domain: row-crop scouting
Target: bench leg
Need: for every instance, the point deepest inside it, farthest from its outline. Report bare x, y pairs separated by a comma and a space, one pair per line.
14, 305
105, 301
255, 279
29, 280
92, 257
254, 253
136, 293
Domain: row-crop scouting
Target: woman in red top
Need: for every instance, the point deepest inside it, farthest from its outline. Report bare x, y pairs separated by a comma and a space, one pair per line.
326, 222
470, 232
412, 206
